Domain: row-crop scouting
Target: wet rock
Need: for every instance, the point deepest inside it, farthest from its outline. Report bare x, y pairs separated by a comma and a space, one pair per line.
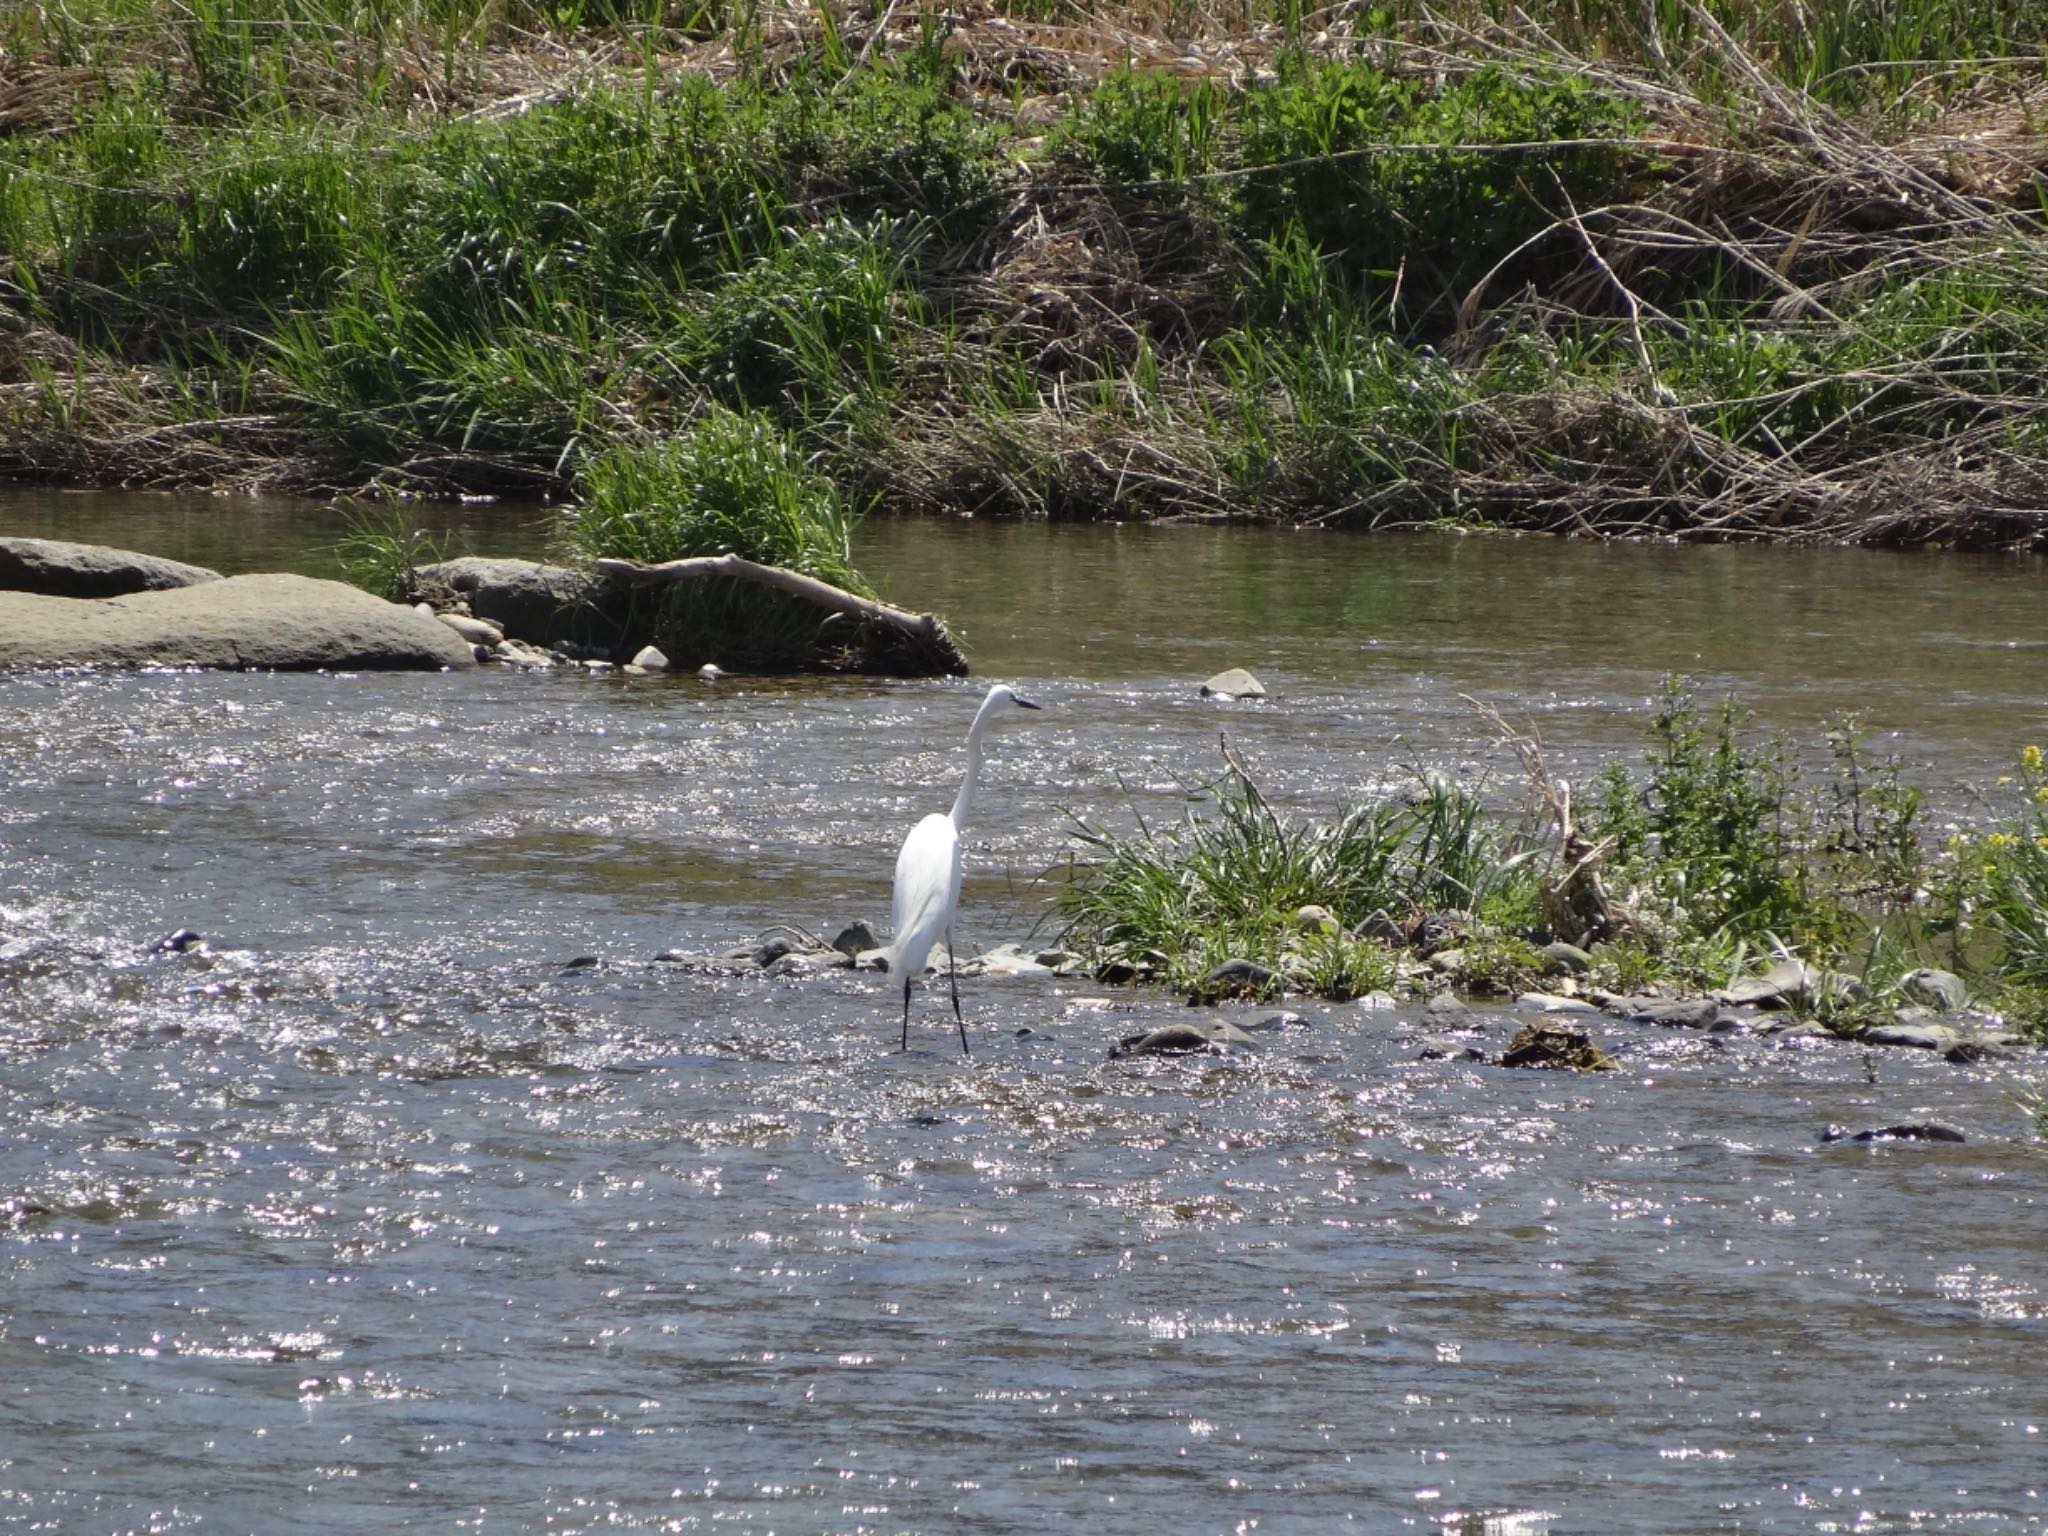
1562, 959
54, 568
581, 963
1216, 1037
1235, 978
1911, 1033
1678, 1013
767, 954
541, 604
1545, 1002
710, 672
1920, 1131
1234, 684
1942, 991
1790, 984
855, 939
1555, 1047
1446, 1008
177, 942
1377, 1002
278, 623
650, 659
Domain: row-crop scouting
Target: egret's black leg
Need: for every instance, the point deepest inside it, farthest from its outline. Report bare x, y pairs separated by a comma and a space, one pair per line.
953, 976
906, 1011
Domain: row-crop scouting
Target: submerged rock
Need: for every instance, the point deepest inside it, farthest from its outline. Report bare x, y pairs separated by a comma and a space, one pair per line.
54, 568
1216, 1037
278, 623
1922, 1131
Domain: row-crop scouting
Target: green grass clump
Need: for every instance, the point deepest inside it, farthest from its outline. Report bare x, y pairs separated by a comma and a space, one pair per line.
1720, 857
731, 483
1231, 885
1717, 270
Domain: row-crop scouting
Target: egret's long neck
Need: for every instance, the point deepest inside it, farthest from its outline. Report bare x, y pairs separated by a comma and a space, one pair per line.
964, 801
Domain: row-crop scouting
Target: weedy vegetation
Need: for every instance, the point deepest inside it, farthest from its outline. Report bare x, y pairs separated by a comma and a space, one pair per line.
1720, 855
1699, 268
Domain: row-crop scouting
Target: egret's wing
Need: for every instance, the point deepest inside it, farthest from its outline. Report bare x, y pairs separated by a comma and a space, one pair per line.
927, 885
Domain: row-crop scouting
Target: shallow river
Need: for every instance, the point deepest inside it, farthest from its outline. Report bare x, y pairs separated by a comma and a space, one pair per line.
382, 1214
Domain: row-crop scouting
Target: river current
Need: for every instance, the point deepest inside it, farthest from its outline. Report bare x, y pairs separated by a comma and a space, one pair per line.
454, 1183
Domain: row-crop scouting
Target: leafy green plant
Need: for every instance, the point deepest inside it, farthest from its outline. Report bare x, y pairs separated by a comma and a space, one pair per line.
382, 546
731, 483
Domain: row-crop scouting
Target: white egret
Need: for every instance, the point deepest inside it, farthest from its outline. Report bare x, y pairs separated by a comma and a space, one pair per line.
928, 875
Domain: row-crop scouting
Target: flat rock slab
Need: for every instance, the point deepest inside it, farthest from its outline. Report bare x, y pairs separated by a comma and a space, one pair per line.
54, 568
270, 622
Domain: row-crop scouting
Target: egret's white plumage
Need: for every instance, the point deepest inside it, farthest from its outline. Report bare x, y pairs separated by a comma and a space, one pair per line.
928, 874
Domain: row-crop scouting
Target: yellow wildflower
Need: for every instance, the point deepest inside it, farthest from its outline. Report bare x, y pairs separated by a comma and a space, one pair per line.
2000, 840
2030, 758
2041, 795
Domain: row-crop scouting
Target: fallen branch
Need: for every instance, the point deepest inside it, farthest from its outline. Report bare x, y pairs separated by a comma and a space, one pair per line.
928, 636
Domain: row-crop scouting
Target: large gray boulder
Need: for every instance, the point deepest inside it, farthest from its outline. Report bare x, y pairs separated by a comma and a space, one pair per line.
277, 622
57, 569
541, 604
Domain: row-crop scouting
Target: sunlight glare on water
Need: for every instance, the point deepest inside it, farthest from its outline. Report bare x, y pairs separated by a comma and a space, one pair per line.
456, 1182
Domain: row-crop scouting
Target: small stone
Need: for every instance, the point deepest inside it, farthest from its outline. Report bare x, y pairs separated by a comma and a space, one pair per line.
524, 656
1943, 991
1234, 684
1446, 1008
651, 658
767, 954
1376, 1002
711, 672
1565, 959
1314, 919
177, 942
475, 631
1545, 1002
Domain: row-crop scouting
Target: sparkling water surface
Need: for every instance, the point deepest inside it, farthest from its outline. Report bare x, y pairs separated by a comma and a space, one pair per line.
424, 1196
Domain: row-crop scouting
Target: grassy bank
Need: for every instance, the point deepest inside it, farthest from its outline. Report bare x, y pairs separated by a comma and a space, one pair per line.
1711, 860
1719, 270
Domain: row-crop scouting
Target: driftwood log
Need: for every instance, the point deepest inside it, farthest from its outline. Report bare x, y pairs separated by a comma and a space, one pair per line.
885, 638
